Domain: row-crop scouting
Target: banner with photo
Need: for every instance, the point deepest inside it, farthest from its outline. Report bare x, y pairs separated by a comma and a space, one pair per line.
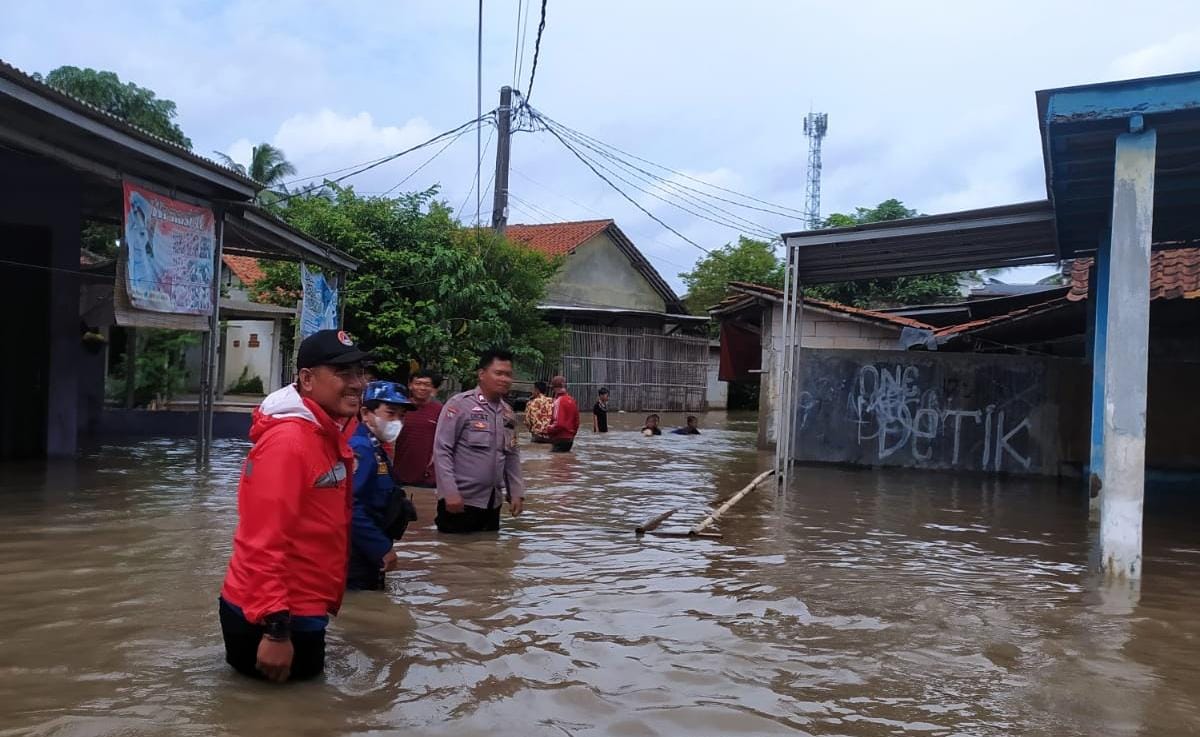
169, 253
319, 307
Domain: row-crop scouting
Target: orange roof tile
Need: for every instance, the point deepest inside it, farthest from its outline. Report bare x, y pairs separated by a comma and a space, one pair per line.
749, 290
246, 269
556, 239
1174, 274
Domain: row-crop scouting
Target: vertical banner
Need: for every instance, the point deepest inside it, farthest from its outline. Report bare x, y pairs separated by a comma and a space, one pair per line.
169, 253
319, 308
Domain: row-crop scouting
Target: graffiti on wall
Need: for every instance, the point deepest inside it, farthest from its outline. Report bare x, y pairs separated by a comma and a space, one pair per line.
894, 413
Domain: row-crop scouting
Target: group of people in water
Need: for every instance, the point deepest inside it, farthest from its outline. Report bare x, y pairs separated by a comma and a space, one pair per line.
322, 500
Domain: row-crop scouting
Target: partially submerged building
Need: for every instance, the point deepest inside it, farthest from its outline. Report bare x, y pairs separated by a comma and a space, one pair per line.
65, 163
1120, 185
624, 327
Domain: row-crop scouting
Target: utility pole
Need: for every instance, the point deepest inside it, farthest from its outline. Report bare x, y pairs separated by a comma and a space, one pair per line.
503, 139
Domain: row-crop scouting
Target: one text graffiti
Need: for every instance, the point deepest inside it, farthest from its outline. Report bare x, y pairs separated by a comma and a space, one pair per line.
893, 413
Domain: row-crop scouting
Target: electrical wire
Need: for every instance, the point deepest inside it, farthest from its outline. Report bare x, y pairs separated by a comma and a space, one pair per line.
479, 108
517, 42
621, 192
782, 210
732, 220
752, 228
390, 157
478, 167
537, 49
428, 161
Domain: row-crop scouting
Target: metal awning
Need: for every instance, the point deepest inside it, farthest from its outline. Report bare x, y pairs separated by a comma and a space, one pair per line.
993, 237
252, 231
1079, 128
619, 311
235, 309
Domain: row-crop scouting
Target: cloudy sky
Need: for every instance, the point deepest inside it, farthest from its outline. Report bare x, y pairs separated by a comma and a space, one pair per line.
928, 102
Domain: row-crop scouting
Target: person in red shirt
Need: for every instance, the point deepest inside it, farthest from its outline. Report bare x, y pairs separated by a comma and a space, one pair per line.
564, 420
413, 462
291, 547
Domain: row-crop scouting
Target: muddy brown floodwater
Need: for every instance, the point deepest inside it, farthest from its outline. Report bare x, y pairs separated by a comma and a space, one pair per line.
859, 603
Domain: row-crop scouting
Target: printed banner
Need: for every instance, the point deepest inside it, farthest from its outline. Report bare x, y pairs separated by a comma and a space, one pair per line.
169, 247
319, 308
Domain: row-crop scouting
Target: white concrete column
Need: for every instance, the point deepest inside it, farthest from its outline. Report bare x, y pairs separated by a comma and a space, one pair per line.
1127, 325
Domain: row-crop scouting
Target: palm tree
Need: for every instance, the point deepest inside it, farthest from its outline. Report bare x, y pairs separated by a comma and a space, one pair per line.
268, 166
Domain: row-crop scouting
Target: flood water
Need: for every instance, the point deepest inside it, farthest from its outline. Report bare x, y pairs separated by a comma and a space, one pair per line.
858, 603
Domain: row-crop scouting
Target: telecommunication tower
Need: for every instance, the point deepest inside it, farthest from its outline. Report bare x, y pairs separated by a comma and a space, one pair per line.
815, 125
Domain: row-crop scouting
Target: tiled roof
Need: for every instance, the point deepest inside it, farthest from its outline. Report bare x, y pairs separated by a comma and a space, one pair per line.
557, 239
1174, 274
747, 291
1021, 314
248, 270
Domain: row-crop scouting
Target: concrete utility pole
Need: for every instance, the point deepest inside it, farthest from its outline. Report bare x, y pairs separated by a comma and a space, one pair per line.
503, 139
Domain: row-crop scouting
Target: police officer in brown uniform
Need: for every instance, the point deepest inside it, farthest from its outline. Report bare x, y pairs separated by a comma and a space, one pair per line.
475, 452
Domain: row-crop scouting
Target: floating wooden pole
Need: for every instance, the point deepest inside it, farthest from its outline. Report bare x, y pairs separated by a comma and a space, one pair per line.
716, 515
653, 522
688, 533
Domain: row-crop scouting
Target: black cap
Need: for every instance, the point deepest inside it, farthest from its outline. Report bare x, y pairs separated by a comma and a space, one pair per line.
328, 348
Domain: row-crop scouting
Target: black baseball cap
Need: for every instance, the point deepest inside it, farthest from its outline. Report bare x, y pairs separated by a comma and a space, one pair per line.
329, 348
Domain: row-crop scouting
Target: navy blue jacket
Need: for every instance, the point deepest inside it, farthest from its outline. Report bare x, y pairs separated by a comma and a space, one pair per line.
373, 488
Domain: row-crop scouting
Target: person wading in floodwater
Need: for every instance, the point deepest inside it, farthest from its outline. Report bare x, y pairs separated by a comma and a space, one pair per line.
288, 568
600, 412
564, 420
475, 452
382, 510
413, 464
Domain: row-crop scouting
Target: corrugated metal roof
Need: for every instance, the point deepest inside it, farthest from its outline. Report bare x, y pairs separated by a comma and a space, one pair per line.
16, 76
994, 237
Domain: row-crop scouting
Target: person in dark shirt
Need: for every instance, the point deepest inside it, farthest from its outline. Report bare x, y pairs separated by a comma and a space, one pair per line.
600, 412
413, 462
691, 428
651, 427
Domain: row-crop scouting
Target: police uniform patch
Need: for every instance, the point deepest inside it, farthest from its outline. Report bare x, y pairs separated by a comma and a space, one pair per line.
381, 469
479, 425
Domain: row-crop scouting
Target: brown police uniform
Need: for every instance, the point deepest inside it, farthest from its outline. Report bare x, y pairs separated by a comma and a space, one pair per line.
476, 459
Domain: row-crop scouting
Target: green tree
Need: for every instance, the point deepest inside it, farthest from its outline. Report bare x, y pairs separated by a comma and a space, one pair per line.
750, 261
428, 289
268, 166
126, 100
891, 292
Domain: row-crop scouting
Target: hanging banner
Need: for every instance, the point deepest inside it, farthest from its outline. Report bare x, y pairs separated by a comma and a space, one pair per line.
319, 308
169, 253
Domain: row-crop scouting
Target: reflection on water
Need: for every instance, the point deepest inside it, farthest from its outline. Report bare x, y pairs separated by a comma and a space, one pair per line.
859, 603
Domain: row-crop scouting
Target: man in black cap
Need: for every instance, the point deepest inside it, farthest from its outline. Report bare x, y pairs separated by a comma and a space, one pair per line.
288, 568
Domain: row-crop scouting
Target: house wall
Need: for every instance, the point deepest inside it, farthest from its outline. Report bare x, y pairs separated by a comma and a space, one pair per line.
40, 205
818, 330
718, 391
241, 353
598, 273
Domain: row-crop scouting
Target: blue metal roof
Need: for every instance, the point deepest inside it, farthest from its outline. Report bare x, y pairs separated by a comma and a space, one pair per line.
1079, 127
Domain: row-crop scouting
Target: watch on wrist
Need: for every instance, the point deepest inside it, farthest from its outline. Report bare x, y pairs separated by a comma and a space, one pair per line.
278, 626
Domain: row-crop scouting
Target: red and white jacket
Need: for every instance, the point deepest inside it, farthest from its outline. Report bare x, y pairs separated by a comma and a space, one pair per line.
292, 540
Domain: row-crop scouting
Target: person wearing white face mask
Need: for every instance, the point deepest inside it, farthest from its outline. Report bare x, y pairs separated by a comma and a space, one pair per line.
381, 508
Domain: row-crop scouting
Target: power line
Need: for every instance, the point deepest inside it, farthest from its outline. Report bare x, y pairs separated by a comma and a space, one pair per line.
750, 227
524, 36
478, 109
391, 157
475, 182
517, 42
537, 48
621, 192
795, 213
736, 222
428, 161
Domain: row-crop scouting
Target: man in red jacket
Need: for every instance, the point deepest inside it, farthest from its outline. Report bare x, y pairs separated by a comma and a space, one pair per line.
564, 418
291, 546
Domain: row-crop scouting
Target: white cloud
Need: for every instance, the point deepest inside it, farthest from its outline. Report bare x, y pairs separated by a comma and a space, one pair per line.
325, 137
1180, 53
